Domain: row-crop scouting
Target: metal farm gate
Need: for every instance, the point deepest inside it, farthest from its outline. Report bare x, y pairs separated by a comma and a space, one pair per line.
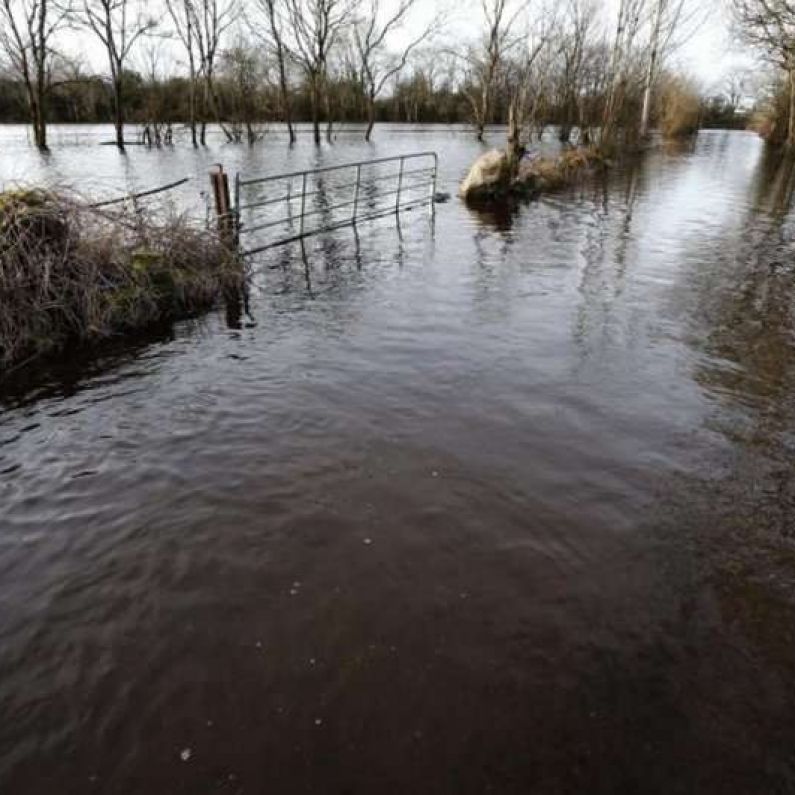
274, 210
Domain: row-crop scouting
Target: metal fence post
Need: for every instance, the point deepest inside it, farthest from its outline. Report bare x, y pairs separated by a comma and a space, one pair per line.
236, 210
400, 184
356, 193
290, 199
303, 202
220, 185
432, 206
432, 197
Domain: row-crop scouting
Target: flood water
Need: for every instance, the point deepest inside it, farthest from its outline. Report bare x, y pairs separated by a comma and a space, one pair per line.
502, 503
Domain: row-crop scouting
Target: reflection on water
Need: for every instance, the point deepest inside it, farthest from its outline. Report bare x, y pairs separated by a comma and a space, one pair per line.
495, 502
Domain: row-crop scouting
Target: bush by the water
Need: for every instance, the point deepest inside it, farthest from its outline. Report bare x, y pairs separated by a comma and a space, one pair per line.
72, 274
495, 175
770, 120
679, 108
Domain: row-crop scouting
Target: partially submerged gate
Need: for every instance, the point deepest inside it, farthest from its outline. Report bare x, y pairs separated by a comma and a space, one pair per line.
275, 210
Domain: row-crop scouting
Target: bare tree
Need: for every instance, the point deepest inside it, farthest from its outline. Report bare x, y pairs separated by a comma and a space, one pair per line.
579, 19
211, 20
242, 74
315, 27
157, 129
118, 24
182, 14
376, 64
486, 59
670, 19
272, 33
628, 21
769, 26
28, 28
531, 83
736, 87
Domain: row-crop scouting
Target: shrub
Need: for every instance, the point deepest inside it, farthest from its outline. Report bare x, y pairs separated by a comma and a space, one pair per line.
71, 274
679, 108
771, 118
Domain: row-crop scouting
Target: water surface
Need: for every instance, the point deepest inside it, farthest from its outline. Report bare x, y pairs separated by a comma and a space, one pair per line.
495, 503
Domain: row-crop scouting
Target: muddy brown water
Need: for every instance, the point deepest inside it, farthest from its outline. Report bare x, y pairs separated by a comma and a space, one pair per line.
498, 504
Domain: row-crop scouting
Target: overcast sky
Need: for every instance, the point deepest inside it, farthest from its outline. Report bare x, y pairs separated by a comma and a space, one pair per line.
708, 54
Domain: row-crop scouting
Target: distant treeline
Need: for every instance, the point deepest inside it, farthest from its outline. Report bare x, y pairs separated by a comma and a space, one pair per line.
156, 103
91, 101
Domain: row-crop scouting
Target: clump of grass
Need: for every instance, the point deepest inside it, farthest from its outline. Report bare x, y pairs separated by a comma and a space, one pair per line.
70, 274
552, 173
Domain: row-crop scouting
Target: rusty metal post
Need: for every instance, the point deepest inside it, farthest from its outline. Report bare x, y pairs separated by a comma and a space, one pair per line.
219, 181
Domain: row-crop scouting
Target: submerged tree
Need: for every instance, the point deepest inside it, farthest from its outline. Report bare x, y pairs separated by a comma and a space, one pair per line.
273, 34
530, 83
211, 20
118, 24
670, 19
376, 64
486, 59
578, 25
628, 22
242, 75
183, 14
27, 28
315, 27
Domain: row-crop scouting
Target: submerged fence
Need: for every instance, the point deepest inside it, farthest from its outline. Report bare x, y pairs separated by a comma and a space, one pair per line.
274, 210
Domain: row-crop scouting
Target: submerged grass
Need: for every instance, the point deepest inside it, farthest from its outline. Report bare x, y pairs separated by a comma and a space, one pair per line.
71, 275
552, 173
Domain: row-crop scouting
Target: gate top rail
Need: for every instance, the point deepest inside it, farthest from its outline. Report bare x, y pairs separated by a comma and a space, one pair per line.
340, 167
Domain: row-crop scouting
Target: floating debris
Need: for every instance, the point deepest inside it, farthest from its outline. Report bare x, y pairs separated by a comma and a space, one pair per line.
185, 754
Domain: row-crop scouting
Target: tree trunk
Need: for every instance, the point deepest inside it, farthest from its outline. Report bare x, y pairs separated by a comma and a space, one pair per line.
35, 120
651, 71
205, 106
791, 120
370, 119
192, 111
314, 101
515, 148
329, 114
564, 135
118, 112
285, 94
485, 107
651, 74
41, 110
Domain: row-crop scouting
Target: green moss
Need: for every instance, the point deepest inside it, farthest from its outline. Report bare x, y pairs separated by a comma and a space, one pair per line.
144, 260
16, 200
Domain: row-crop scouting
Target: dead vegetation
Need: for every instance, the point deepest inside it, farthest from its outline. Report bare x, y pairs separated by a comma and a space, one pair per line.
552, 173
497, 175
70, 274
679, 109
